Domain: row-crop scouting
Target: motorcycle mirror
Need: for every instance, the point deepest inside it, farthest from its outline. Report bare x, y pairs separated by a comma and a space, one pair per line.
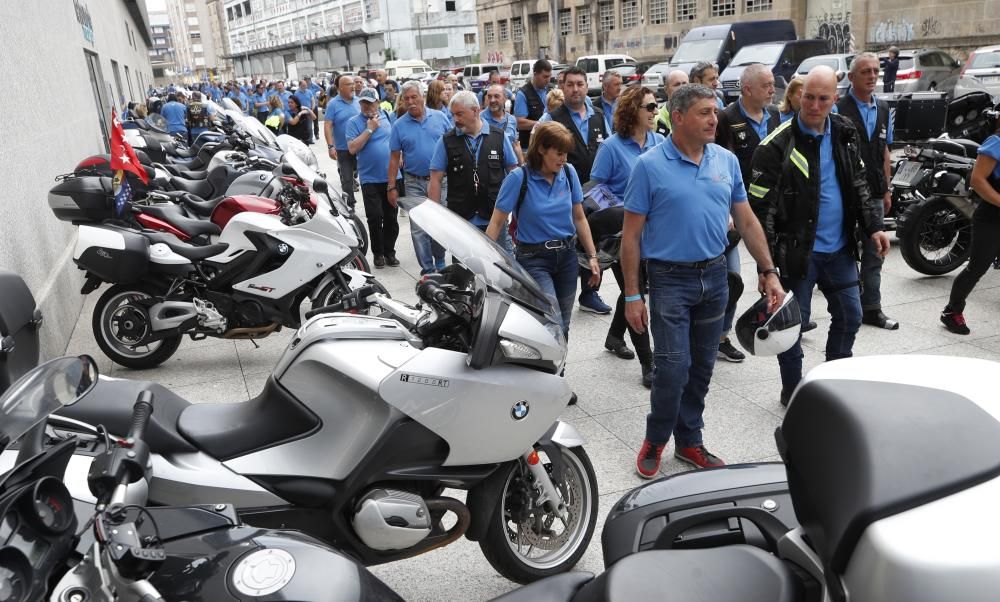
287, 170
320, 186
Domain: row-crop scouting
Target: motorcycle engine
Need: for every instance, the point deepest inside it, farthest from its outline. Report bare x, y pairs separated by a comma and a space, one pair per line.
389, 519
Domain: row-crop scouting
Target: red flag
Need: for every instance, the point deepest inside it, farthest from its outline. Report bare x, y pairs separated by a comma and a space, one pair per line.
122, 155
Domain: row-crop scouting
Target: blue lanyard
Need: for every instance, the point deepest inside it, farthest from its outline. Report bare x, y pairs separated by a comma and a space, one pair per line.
474, 149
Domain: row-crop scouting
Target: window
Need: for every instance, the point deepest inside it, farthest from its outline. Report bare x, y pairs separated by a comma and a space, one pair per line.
759, 6
516, 29
582, 20
470, 39
229, 13
565, 22
246, 7
687, 10
353, 14
723, 8
630, 14
588, 65
449, 6
657, 12
607, 16
371, 10
239, 11
504, 33
489, 33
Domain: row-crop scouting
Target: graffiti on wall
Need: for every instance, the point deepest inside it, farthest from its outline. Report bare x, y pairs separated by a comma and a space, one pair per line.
835, 28
930, 27
892, 31
495, 57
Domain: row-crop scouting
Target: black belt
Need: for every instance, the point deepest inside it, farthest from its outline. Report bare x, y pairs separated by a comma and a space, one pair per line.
416, 177
548, 245
697, 265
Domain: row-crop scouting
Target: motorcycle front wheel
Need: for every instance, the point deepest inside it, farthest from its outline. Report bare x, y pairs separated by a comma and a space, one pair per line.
359, 225
524, 543
120, 326
934, 237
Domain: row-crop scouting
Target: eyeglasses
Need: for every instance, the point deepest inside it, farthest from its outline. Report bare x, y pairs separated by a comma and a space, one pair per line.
651, 107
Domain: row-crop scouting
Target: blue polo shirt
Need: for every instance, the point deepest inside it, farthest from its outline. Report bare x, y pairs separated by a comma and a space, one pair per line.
758, 126
687, 205
339, 112
581, 123
176, 115
521, 103
306, 97
830, 236
869, 114
255, 98
616, 158
373, 159
786, 116
991, 148
417, 139
609, 114
246, 102
283, 96
546, 213
508, 124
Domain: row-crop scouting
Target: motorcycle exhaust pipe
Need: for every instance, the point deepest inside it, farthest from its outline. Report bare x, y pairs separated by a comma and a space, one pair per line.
438, 506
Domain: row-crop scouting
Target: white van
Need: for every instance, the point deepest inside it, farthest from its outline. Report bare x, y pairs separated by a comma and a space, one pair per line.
520, 73
596, 65
397, 69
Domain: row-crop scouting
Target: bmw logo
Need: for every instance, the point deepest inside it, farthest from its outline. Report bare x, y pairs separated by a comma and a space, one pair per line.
282, 249
519, 411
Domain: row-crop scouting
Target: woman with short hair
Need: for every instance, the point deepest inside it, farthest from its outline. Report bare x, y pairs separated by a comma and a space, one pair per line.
545, 197
299, 120
793, 99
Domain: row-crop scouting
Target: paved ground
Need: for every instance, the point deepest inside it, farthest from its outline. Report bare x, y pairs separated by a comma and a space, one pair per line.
742, 406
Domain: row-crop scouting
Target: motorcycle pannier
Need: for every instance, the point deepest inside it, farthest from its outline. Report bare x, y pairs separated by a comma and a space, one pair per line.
112, 254
84, 200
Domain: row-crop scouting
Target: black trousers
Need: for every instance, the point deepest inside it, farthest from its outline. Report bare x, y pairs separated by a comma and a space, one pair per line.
618, 322
347, 164
985, 248
383, 229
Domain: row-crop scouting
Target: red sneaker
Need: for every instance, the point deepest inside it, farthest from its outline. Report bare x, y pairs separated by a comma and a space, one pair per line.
954, 322
648, 462
698, 457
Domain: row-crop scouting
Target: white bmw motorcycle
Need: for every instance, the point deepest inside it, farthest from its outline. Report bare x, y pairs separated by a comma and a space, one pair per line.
366, 420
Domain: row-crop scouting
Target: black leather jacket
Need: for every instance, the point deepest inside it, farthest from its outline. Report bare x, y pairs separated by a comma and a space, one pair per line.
784, 192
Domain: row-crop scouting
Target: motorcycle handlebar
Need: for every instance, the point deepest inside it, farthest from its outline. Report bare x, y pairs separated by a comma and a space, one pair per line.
141, 412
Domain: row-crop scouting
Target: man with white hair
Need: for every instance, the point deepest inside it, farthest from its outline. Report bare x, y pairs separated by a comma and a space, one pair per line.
611, 89
675, 79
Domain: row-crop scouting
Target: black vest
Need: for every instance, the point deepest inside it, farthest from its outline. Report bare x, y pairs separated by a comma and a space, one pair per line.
462, 192
582, 155
535, 110
872, 151
736, 133
197, 115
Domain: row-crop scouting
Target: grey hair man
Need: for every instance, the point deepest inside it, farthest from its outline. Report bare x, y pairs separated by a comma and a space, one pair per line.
675, 79
611, 89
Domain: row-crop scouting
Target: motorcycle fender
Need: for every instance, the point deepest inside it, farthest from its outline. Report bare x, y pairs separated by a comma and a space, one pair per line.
563, 433
965, 205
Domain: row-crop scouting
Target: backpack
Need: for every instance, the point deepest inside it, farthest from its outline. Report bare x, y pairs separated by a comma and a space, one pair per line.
512, 227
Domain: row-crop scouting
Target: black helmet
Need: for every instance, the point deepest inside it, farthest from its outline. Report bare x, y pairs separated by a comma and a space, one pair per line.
761, 333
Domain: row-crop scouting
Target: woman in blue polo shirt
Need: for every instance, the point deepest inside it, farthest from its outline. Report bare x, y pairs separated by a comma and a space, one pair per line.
549, 217
635, 120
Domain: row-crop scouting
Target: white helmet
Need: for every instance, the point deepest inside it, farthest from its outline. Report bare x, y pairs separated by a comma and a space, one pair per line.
761, 333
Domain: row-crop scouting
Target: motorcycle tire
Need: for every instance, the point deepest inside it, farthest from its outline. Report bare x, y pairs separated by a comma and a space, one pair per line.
359, 224
332, 293
502, 546
360, 262
127, 323
934, 237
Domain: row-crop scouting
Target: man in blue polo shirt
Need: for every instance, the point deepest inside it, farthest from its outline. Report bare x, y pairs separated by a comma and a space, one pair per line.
176, 115
280, 92
259, 101
677, 208
611, 89
414, 136
496, 115
339, 110
368, 136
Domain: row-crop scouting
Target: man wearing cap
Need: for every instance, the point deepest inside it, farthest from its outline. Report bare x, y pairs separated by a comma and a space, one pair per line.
368, 135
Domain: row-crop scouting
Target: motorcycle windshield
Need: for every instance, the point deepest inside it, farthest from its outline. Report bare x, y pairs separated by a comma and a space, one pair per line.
157, 122
44, 390
478, 253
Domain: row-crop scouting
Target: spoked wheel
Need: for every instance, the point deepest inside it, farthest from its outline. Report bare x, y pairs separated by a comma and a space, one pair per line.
935, 237
524, 542
121, 325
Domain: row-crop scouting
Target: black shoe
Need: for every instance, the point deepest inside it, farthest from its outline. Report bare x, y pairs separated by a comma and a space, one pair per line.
809, 326
647, 375
379, 261
875, 317
391, 261
730, 353
572, 400
619, 348
954, 322
786, 396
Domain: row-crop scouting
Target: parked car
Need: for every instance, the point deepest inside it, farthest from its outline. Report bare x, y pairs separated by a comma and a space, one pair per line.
520, 73
921, 70
400, 69
783, 58
596, 65
470, 75
718, 44
632, 72
841, 63
655, 77
984, 65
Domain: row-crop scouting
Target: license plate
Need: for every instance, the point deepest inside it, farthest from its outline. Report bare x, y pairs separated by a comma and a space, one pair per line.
989, 79
906, 173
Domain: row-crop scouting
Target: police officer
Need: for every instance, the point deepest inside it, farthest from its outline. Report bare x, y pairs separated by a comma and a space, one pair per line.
529, 102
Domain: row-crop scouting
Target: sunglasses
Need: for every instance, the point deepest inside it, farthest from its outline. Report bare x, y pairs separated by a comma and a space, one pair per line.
651, 107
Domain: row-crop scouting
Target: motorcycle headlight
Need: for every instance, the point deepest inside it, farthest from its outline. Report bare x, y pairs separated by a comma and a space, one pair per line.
514, 350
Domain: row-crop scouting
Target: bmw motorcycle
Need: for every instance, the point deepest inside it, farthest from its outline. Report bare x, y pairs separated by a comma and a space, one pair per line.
57, 548
366, 420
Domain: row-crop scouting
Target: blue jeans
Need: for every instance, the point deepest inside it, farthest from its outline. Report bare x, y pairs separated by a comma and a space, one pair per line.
732, 265
555, 272
686, 307
837, 277
430, 255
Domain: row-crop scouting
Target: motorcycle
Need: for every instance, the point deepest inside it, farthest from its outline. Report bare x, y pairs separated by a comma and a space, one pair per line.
932, 199
56, 548
365, 420
862, 507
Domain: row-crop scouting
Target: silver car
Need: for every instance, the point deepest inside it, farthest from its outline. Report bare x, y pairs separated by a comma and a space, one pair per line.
920, 70
984, 65
841, 63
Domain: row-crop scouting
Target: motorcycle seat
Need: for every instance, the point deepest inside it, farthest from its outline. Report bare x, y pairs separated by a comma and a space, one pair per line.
202, 188
952, 145
739, 573
198, 205
228, 430
190, 226
187, 174
558, 587
192, 252
110, 403
185, 153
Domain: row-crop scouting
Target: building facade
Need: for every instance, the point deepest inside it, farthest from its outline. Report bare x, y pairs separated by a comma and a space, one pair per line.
196, 55
293, 38
161, 52
100, 61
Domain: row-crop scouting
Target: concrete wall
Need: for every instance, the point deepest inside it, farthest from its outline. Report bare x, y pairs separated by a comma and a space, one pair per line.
958, 26
51, 123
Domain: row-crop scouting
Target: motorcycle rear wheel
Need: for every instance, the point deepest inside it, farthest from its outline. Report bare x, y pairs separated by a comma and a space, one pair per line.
510, 540
116, 323
934, 237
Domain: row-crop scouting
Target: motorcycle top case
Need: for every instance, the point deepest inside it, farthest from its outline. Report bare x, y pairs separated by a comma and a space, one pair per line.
112, 254
82, 200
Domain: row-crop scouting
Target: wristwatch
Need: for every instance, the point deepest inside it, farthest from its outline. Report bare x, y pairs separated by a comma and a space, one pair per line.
370, 131
774, 271
330, 146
